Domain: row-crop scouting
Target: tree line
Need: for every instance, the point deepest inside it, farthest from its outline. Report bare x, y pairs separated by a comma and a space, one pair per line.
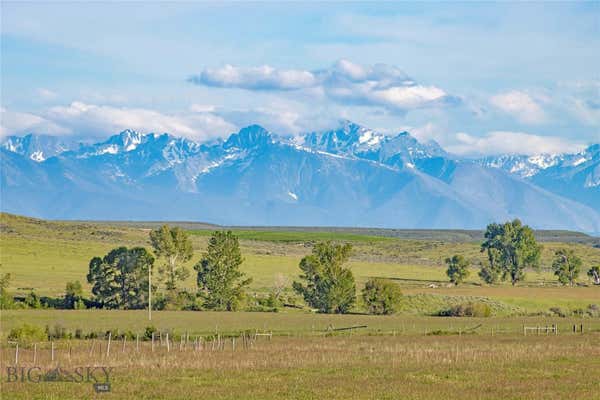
138, 278
510, 249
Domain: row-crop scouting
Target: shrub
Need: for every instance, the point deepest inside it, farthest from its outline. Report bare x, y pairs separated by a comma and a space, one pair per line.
27, 334
79, 333
468, 310
57, 332
149, 331
33, 300
558, 312
381, 296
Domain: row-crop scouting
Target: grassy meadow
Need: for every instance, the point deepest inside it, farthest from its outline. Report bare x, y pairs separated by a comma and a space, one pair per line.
338, 367
44, 255
411, 354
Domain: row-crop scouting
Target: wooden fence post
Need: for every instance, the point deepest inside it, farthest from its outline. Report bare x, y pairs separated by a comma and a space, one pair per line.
52, 350
17, 354
108, 344
152, 342
34, 353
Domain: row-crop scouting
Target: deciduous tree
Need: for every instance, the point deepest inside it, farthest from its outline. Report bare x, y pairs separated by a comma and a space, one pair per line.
566, 266
73, 295
594, 273
458, 269
511, 248
175, 247
329, 287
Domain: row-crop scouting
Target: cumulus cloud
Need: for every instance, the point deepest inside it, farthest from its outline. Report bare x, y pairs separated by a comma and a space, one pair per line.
100, 120
344, 82
500, 142
520, 105
255, 78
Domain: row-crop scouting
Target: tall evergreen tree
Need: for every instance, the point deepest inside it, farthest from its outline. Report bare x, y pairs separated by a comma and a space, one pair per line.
221, 284
120, 278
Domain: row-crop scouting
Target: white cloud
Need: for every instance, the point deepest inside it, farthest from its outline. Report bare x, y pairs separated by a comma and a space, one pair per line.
99, 120
255, 78
520, 105
282, 118
20, 123
345, 82
500, 142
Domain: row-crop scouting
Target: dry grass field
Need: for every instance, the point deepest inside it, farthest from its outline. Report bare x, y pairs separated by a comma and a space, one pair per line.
338, 367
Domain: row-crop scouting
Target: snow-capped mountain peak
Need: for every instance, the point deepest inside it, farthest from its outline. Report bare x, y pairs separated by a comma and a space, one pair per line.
348, 175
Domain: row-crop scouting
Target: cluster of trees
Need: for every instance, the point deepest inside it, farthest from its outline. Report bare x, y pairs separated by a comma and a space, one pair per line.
511, 248
123, 278
330, 287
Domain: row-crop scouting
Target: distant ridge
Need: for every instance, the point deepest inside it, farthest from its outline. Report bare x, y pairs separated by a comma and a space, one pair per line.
350, 176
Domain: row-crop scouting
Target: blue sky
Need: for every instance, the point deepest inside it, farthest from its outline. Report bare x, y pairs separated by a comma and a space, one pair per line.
478, 78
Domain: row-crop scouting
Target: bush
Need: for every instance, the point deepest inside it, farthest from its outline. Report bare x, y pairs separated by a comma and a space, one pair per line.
33, 300
149, 331
381, 297
558, 312
57, 332
468, 310
27, 334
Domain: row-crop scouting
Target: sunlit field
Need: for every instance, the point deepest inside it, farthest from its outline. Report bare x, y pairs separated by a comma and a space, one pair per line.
302, 354
369, 367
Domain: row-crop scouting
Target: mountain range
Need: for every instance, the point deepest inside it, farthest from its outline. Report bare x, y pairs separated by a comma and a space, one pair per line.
347, 176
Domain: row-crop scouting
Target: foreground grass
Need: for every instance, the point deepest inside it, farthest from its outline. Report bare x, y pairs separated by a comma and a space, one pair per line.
358, 367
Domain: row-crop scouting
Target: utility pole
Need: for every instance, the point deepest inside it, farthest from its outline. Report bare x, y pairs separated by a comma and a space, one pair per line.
150, 293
